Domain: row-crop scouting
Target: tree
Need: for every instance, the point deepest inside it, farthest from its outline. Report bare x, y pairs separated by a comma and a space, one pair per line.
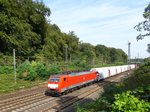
144, 26
88, 52
102, 52
22, 26
148, 48
72, 42
113, 55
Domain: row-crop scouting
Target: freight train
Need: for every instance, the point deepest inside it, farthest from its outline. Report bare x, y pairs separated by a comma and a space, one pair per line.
64, 83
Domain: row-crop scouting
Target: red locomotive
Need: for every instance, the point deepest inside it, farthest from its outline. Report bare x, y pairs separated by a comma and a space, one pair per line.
59, 84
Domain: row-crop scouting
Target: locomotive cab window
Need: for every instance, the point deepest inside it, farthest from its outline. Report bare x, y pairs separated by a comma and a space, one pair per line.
64, 79
54, 79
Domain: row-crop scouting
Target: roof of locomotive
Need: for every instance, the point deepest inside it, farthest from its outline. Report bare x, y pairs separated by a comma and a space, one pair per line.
71, 74
80, 73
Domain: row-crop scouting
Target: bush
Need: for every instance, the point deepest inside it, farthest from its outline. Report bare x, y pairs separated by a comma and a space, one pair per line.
139, 78
127, 102
54, 69
32, 74
23, 69
6, 60
143, 93
42, 70
31, 71
100, 104
6, 69
81, 65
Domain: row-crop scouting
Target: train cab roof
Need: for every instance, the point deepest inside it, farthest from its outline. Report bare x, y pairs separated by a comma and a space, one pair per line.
70, 74
57, 76
79, 73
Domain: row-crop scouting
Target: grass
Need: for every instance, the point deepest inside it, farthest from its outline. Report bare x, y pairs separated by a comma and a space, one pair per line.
7, 83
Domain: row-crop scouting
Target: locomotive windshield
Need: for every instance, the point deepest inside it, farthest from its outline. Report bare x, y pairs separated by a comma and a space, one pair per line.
54, 79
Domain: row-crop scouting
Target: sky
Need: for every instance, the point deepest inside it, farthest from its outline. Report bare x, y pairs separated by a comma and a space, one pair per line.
107, 22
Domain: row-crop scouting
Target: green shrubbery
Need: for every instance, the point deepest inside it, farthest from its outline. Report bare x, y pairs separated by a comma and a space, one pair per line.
6, 69
132, 95
53, 69
5, 60
31, 71
6, 66
79, 65
126, 102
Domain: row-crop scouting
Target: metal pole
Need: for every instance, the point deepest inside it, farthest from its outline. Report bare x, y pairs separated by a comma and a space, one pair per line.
138, 58
66, 56
14, 58
70, 58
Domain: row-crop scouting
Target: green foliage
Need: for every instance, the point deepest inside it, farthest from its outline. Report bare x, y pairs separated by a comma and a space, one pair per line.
32, 75
54, 69
88, 52
102, 52
32, 71
143, 93
139, 78
6, 69
6, 60
148, 48
22, 69
110, 55
126, 102
6, 64
41, 70
144, 26
19, 26
94, 106
81, 64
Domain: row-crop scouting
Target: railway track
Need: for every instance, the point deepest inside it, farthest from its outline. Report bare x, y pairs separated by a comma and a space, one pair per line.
36, 101
78, 97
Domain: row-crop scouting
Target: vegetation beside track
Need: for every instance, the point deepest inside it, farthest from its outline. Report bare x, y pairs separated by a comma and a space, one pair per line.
32, 73
7, 83
133, 94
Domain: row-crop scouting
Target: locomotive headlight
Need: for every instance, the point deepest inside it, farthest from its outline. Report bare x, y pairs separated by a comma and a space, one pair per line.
53, 86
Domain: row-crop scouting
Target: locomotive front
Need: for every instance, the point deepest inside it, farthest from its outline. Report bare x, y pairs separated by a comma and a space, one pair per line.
53, 86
